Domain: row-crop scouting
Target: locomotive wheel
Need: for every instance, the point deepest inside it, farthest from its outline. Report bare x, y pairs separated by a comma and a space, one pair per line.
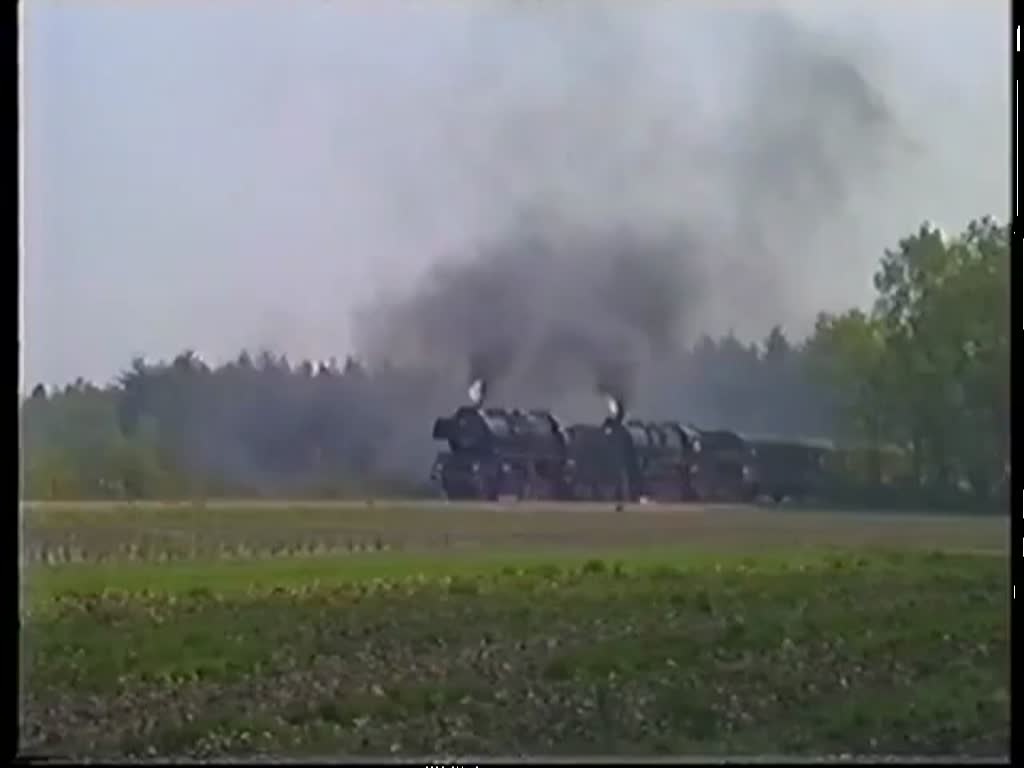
454, 491
675, 490
527, 488
609, 492
537, 490
696, 492
487, 489
514, 485
460, 494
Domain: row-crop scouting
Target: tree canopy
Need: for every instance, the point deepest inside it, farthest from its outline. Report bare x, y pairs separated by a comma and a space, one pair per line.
928, 367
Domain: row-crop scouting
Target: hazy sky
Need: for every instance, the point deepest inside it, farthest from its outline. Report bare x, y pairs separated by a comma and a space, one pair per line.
219, 175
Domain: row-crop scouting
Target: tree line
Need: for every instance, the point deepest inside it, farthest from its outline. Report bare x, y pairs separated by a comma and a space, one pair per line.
926, 369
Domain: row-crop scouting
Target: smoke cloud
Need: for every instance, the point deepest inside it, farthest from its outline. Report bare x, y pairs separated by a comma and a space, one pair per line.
550, 307
628, 215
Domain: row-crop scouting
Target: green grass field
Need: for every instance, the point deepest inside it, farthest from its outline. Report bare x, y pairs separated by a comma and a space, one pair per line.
435, 630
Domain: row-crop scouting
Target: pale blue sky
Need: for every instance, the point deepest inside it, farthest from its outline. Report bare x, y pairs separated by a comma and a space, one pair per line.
213, 175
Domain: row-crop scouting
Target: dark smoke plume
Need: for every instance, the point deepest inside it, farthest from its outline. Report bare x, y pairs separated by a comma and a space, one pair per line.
550, 308
647, 222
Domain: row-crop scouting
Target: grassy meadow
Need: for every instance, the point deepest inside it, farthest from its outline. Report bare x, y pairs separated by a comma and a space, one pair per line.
246, 629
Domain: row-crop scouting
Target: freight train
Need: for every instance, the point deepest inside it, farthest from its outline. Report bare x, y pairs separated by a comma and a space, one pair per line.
496, 452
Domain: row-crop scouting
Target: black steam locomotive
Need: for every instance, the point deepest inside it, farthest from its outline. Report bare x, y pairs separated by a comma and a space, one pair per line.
494, 452
626, 460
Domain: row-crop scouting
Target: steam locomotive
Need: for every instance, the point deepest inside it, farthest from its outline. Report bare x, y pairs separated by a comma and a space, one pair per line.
496, 452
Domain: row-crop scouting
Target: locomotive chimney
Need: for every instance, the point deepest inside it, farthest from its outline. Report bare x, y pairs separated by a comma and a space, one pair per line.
477, 392
616, 408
